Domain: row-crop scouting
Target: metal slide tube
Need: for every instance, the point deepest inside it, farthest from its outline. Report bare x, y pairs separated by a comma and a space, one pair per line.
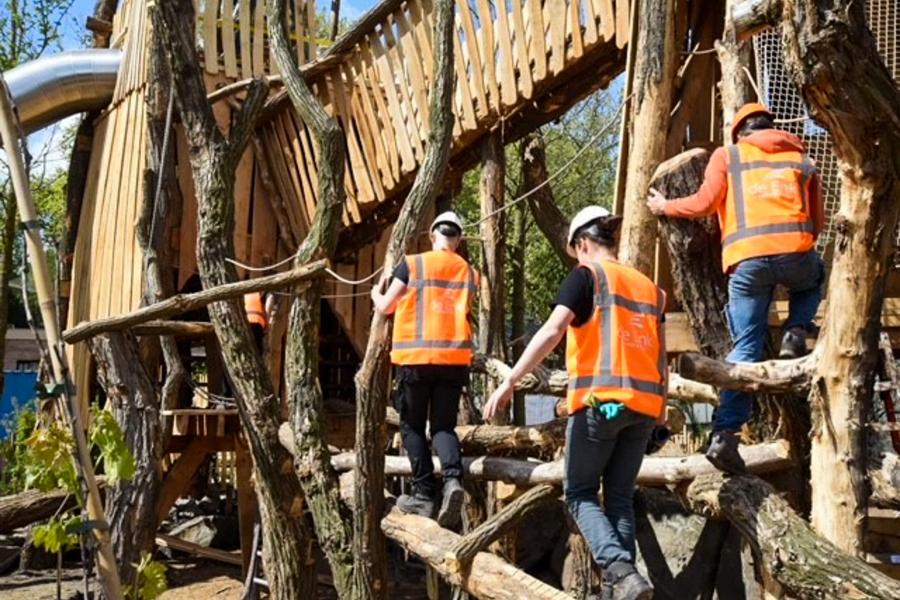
48, 89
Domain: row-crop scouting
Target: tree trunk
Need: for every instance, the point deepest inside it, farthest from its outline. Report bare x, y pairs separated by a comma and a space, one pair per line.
549, 219
311, 462
131, 505
695, 251
832, 58
803, 564
372, 378
776, 376
734, 85
489, 577
213, 161
517, 302
654, 76
10, 225
31, 506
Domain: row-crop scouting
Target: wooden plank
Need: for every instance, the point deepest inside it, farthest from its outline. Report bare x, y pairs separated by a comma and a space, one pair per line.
247, 508
416, 75
488, 49
211, 37
396, 58
385, 127
557, 34
259, 37
288, 134
508, 92
465, 17
243, 186
623, 23
328, 98
357, 168
420, 15
178, 478
134, 292
282, 180
113, 157
607, 18
113, 266
386, 77
228, 46
307, 160
574, 24
168, 541
375, 164
298, 31
245, 22
526, 85
264, 235
311, 28
536, 46
187, 255
591, 35
465, 112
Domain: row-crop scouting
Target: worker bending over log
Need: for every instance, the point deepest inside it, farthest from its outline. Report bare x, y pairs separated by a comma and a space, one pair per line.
613, 317
766, 193
431, 297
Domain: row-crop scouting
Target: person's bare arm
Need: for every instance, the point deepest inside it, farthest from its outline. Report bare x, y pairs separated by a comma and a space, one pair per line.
386, 303
542, 344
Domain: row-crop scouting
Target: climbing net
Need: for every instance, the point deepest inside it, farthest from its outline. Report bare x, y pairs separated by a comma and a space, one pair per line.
778, 92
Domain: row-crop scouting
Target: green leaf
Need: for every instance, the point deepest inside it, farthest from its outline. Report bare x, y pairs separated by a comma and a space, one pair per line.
48, 459
106, 435
151, 579
54, 535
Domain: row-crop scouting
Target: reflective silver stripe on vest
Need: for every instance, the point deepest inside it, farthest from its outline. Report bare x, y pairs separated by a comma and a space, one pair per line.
419, 283
453, 344
748, 232
587, 382
736, 168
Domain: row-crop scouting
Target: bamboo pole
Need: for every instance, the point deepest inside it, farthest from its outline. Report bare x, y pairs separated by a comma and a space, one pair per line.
9, 135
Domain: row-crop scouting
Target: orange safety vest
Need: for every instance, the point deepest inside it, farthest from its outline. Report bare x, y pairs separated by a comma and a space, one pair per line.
431, 323
766, 210
619, 354
256, 312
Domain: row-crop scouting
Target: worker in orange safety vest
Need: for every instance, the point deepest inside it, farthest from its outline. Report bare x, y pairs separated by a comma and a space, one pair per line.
767, 195
613, 318
430, 296
255, 309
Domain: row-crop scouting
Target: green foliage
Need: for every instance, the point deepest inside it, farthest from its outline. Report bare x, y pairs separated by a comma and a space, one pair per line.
13, 450
48, 459
150, 581
29, 28
107, 437
57, 534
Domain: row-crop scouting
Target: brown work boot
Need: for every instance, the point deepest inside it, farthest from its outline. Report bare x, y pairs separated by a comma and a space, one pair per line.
723, 453
450, 515
626, 583
793, 343
416, 504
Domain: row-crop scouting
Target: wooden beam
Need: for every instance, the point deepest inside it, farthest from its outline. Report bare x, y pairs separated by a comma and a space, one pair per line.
752, 16
777, 376
182, 303
170, 541
176, 328
179, 476
31, 506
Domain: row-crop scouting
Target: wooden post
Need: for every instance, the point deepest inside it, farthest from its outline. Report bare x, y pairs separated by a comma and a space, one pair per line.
734, 57
831, 56
10, 138
654, 75
491, 197
517, 308
247, 507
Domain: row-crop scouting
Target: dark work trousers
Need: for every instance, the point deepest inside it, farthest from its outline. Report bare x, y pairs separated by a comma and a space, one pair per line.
430, 393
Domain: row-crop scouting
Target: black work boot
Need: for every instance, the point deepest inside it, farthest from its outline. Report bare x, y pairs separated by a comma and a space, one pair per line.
450, 515
793, 343
723, 453
626, 582
416, 504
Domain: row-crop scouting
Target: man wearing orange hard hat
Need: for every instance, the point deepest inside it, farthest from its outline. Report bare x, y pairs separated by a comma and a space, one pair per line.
766, 193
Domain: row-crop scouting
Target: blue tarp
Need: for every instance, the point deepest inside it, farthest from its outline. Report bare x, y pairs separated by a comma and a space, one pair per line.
18, 391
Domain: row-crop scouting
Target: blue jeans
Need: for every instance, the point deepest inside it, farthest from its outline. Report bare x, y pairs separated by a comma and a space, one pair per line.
612, 451
750, 289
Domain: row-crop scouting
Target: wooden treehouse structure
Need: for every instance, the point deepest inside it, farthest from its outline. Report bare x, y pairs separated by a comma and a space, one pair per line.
519, 65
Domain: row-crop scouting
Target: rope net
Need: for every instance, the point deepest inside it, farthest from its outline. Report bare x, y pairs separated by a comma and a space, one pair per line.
781, 96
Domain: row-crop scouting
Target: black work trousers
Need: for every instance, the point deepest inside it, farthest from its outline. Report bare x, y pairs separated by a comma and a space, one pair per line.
430, 393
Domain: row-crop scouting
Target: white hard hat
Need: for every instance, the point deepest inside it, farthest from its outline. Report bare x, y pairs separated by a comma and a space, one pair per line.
586, 216
449, 218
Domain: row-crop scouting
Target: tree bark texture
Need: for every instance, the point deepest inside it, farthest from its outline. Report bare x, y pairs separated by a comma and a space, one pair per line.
832, 58
656, 471
131, 505
735, 89
10, 224
695, 252
311, 461
31, 506
803, 564
491, 197
776, 376
751, 16
489, 577
372, 378
286, 545
654, 76
517, 302
547, 216
464, 550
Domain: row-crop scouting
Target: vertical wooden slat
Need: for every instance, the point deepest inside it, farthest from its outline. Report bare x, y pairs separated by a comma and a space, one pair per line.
537, 45
557, 12
289, 135
466, 118
386, 76
607, 18
465, 17
228, 48
488, 49
243, 189
574, 22
590, 23
264, 236
211, 37
360, 77
623, 22
187, 257
358, 168
414, 63
508, 90
245, 22
419, 13
398, 68
384, 116
526, 86
259, 39
299, 17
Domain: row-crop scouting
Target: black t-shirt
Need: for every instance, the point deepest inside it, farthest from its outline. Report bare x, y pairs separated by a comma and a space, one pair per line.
577, 294
401, 272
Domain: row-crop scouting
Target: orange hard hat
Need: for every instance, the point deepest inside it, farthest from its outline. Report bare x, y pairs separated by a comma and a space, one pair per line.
747, 110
